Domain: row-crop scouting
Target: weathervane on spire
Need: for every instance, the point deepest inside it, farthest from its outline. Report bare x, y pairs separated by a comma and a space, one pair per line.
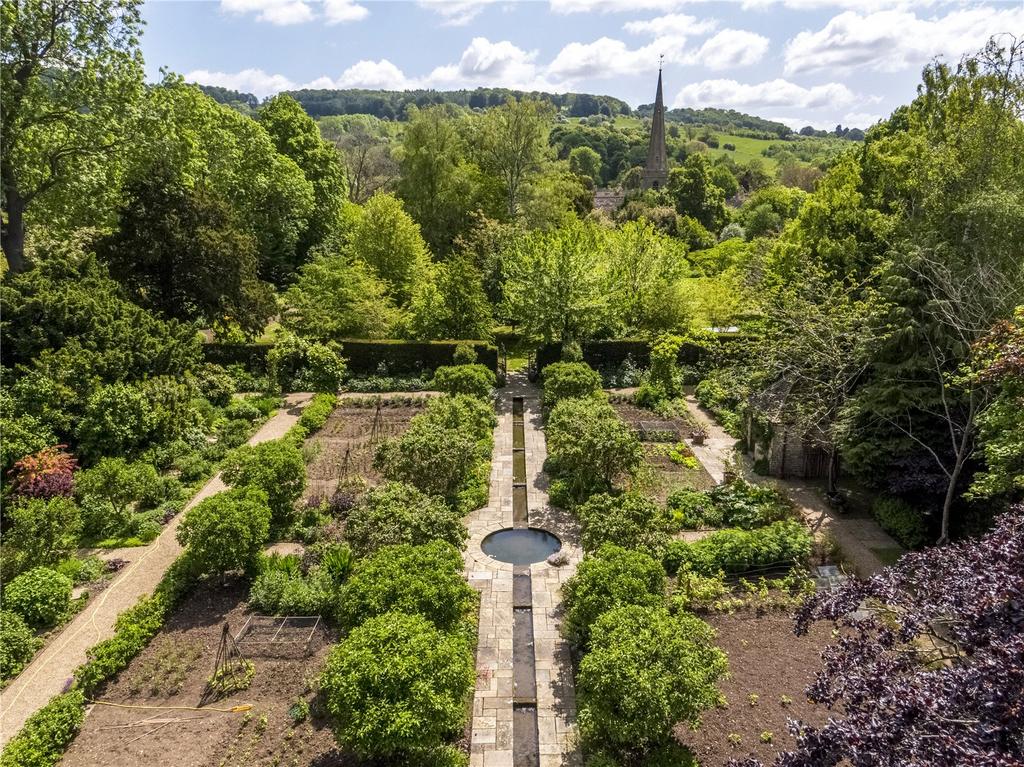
661, 60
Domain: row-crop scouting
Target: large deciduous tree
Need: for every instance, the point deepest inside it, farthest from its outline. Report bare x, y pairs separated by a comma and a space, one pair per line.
388, 241
695, 194
70, 78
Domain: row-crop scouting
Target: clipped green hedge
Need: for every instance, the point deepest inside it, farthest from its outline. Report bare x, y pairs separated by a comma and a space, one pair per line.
47, 733
611, 353
362, 357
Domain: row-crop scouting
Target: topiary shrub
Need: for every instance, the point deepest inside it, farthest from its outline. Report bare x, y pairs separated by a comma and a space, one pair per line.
472, 380
902, 521
612, 577
395, 513
226, 531
646, 671
589, 446
565, 380
414, 580
396, 687
41, 596
631, 520
17, 644
277, 468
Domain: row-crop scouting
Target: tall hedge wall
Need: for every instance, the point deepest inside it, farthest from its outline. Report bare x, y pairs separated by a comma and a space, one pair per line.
364, 358
609, 354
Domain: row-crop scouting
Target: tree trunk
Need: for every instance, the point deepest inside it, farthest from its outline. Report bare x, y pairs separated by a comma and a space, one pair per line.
833, 470
947, 503
13, 231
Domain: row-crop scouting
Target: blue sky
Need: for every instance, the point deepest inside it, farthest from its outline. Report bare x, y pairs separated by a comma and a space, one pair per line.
817, 62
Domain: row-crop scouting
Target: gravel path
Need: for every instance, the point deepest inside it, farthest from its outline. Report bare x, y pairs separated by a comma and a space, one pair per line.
53, 668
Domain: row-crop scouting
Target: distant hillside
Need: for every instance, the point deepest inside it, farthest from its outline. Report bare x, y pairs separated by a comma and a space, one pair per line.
723, 119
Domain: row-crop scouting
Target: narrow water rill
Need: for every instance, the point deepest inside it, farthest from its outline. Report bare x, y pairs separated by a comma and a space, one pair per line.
522, 546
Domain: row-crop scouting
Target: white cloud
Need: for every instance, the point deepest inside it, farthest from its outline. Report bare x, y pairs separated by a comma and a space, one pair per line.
859, 119
896, 39
455, 13
495, 64
671, 24
254, 81
732, 48
613, 6
765, 95
343, 11
285, 12
607, 57
373, 74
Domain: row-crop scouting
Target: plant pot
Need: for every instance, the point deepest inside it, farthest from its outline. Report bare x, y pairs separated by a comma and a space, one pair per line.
697, 439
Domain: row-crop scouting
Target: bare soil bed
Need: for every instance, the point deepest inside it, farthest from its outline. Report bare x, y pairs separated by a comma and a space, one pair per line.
173, 670
768, 665
348, 440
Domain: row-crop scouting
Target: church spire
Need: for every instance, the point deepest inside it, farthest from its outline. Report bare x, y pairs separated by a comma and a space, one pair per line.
656, 170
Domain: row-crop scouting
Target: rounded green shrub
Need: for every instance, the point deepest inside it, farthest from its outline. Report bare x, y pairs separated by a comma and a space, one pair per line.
413, 580
646, 671
472, 380
630, 520
395, 513
41, 596
612, 577
397, 686
565, 380
276, 467
226, 531
17, 644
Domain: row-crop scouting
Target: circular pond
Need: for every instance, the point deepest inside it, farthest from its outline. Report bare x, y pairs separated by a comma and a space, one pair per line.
520, 546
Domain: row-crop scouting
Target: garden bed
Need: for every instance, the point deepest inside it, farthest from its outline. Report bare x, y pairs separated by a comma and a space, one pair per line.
768, 661
173, 670
348, 440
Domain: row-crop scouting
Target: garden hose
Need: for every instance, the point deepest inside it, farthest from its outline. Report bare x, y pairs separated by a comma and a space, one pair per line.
233, 710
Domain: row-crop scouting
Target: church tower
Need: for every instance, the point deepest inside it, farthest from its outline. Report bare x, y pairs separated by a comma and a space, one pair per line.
656, 169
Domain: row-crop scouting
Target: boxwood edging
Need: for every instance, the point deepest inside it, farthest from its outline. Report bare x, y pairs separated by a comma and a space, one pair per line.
46, 734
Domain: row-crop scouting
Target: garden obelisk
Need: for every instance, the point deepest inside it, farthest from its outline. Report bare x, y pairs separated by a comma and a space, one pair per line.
656, 169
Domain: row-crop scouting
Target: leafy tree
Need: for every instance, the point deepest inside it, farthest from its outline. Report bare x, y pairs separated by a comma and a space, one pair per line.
412, 580
389, 242
43, 530
584, 161
396, 687
396, 513
646, 671
41, 596
690, 185
631, 520
453, 304
932, 675
512, 142
71, 75
276, 468
429, 456
117, 419
296, 136
554, 283
116, 481
180, 251
364, 141
611, 577
227, 531
23, 433
334, 297
723, 178
589, 446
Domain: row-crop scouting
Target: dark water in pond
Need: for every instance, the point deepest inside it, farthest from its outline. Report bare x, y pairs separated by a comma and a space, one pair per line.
522, 546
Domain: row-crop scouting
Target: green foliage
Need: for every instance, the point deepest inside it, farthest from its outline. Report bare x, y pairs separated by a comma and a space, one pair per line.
316, 413
43, 530
589, 447
280, 592
47, 733
695, 194
412, 580
453, 304
665, 375
388, 241
396, 513
631, 520
563, 380
226, 531
736, 504
41, 596
276, 468
117, 419
902, 521
736, 551
473, 380
611, 577
17, 644
464, 354
646, 671
298, 365
397, 686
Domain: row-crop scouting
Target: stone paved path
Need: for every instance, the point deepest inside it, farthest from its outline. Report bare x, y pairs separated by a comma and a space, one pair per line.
491, 744
858, 537
52, 668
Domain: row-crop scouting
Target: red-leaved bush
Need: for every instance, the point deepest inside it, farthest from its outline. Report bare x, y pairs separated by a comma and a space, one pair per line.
45, 474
